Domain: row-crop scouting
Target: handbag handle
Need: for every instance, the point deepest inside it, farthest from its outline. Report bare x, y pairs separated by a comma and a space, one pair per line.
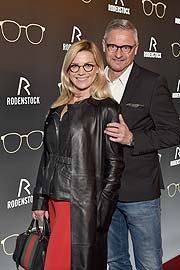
29, 229
46, 228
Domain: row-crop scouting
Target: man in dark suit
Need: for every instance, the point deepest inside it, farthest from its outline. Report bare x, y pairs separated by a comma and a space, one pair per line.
148, 122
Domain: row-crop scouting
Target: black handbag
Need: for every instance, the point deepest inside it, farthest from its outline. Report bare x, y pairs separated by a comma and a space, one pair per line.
31, 246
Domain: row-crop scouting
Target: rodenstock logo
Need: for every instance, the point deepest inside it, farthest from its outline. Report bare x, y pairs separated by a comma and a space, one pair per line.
177, 93
23, 87
176, 160
76, 35
119, 7
21, 200
152, 52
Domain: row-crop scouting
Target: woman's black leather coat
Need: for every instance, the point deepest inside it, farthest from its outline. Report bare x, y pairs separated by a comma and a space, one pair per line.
93, 166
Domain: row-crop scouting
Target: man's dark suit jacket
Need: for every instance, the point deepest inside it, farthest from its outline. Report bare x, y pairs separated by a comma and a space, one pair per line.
148, 111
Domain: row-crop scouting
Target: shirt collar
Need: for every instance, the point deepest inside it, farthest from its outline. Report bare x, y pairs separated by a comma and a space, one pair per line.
123, 78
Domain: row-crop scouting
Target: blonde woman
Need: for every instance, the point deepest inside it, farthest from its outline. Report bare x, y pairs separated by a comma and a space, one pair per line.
80, 170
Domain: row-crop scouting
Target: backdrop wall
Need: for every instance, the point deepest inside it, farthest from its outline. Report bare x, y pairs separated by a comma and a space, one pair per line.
34, 37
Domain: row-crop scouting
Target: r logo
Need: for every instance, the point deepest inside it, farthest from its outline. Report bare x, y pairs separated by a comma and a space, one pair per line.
116, 1
177, 154
76, 33
153, 44
24, 183
25, 87
178, 85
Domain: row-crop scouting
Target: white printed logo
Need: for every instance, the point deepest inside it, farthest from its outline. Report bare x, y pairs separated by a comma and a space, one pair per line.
76, 35
12, 141
152, 53
116, 2
86, 1
177, 20
153, 44
176, 160
118, 9
175, 49
172, 189
23, 87
177, 93
177, 153
149, 6
24, 185
34, 32
22, 79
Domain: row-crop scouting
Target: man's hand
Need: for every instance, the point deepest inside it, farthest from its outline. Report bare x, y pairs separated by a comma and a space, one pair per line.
119, 132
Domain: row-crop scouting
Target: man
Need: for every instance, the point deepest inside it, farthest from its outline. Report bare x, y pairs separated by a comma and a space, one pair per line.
148, 123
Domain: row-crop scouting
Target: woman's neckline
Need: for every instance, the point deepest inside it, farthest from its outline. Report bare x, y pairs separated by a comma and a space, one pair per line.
78, 101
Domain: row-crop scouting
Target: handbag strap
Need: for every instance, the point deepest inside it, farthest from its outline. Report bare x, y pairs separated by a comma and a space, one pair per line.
29, 229
45, 230
46, 227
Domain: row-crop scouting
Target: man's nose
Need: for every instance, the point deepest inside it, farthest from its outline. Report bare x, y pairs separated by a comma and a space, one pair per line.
118, 53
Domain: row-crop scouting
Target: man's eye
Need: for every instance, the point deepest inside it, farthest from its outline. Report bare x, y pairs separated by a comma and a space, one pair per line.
126, 47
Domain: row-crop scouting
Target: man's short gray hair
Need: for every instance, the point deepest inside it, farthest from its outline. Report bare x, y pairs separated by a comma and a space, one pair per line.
121, 24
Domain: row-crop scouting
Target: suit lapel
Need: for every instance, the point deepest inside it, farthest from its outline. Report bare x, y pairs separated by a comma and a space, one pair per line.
131, 84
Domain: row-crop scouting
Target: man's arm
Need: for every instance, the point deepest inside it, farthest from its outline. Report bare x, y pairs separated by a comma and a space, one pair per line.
166, 125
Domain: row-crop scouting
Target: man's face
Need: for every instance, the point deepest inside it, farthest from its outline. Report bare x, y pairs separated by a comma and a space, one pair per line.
119, 56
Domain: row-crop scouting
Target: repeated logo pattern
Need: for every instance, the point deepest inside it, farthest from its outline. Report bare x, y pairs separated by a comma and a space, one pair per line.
20, 32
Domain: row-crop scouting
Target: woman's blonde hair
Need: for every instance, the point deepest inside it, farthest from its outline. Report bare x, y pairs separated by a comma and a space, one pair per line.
99, 88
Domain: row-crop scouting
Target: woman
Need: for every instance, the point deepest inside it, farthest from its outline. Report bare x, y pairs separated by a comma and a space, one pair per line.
80, 169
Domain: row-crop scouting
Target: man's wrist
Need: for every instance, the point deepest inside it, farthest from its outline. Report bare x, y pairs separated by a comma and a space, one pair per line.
131, 142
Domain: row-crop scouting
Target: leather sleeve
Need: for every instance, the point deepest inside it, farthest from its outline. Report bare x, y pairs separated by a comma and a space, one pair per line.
40, 201
114, 166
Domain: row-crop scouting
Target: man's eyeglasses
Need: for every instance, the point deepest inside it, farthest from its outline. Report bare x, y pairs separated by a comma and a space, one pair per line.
124, 48
75, 68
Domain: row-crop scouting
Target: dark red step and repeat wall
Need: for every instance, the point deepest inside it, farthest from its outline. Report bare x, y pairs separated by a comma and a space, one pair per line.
34, 37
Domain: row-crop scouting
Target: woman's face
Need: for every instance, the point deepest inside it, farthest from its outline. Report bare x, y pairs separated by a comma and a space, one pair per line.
83, 71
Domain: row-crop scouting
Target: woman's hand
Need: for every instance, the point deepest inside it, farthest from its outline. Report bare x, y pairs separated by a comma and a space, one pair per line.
39, 214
